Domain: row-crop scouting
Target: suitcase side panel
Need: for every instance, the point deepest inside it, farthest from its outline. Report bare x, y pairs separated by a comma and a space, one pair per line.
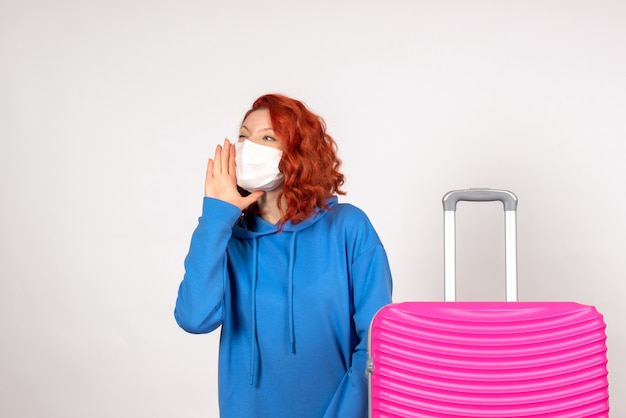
488, 359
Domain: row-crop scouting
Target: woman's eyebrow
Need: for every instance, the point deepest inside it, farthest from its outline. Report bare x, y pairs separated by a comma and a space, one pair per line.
262, 129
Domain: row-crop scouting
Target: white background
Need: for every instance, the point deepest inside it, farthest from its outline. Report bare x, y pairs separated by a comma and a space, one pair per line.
109, 110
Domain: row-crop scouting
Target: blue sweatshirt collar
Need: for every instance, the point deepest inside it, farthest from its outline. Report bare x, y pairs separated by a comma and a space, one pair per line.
252, 226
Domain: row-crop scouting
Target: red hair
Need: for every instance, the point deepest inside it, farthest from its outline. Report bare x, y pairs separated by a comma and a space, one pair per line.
309, 162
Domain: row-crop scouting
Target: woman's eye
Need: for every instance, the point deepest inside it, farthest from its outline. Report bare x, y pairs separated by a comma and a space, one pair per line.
241, 136
268, 138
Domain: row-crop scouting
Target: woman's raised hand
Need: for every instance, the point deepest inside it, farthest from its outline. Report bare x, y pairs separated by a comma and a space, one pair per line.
221, 178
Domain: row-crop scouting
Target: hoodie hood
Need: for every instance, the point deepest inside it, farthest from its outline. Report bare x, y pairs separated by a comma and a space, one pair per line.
251, 227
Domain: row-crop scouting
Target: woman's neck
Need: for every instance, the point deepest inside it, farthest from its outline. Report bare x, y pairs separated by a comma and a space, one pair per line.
268, 206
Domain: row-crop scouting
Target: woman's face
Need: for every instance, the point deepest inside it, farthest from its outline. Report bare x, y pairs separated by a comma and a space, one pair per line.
257, 127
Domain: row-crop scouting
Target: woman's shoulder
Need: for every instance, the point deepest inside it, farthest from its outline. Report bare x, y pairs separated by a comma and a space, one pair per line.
345, 209
348, 213
352, 222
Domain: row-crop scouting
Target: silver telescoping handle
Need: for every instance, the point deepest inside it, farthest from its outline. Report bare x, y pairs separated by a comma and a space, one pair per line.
509, 201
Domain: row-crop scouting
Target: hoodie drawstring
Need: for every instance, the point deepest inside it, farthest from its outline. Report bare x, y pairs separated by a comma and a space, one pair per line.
292, 257
254, 344
253, 341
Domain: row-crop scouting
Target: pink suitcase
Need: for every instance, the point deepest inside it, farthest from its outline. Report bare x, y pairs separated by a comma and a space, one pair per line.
487, 359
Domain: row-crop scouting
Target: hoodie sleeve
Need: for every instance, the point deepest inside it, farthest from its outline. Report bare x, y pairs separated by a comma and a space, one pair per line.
372, 288
199, 306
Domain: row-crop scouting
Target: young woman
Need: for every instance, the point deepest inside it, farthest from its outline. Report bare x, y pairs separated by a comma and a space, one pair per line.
292, 276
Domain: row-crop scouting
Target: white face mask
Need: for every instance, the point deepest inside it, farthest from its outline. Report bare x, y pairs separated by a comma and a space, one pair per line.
257, 166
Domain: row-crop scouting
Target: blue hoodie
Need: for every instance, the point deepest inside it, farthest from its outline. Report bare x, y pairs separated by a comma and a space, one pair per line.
294, 308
